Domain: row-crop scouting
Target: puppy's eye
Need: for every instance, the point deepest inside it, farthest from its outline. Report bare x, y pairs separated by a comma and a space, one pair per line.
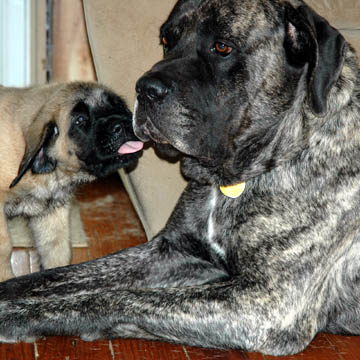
222, 49
80, 120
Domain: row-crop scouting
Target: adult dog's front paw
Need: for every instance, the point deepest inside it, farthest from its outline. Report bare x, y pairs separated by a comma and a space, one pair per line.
7, 321
15, 317
15, 324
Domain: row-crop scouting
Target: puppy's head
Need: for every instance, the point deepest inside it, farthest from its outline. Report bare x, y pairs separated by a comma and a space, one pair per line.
83, 130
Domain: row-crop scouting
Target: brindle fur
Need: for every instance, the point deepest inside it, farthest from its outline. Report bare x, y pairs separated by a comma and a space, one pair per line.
266, 271
43, 159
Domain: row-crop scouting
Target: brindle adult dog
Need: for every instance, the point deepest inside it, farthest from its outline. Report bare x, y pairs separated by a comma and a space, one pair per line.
259, 92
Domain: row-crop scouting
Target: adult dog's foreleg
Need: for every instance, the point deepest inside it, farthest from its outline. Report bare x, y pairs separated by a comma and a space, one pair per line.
81, 299
168, 290
215, 315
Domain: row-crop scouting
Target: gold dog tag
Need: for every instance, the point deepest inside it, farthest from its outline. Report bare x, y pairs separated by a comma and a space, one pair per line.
233, 191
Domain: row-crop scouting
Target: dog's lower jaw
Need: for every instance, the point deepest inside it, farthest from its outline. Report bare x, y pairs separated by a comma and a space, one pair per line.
167, 151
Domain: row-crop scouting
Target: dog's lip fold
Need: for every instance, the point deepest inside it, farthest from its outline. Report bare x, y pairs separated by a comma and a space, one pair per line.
158, 139
150, 132
130, 147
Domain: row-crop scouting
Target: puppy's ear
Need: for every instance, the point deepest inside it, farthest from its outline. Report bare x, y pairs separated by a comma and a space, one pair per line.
36, 155
310, 39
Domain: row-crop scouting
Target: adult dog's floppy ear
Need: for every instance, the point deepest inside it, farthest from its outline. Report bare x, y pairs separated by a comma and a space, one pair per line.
310, 39
36, 155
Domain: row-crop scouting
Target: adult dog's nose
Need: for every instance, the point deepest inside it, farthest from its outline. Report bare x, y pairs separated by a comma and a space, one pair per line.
152, 87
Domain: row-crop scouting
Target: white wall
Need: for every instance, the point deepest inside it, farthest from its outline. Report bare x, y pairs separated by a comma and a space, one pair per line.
21, 54
15, 42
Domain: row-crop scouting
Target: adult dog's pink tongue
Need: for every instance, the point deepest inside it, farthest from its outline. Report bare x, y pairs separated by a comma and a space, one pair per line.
130, 147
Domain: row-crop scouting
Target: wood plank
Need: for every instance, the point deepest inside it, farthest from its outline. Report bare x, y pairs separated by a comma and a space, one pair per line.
111, 221
209, 354
348, 347
22, 351
147, 350
71, 348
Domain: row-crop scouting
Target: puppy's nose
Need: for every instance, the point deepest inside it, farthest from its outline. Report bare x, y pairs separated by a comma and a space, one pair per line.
112, 124
152, 87
116, 128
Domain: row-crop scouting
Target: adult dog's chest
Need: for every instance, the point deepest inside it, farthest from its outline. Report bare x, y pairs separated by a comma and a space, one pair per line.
214, 223
212, 218
274, 229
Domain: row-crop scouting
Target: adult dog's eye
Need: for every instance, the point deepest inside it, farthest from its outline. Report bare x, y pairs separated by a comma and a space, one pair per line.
222, 49
165, 43
80, 120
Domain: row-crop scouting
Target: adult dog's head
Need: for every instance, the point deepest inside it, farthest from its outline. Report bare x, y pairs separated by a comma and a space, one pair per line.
81, 129
237, 78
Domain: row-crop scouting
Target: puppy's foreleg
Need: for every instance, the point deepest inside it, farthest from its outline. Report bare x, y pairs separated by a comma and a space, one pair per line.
51, 234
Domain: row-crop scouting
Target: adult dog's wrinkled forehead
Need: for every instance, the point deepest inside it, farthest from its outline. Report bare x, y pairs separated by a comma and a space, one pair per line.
238, 19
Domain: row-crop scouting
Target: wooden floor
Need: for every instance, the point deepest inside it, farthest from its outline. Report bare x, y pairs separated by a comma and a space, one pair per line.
111, 224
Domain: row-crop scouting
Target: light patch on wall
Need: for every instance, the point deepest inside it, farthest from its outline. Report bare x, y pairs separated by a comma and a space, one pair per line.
15, 42
22, 42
